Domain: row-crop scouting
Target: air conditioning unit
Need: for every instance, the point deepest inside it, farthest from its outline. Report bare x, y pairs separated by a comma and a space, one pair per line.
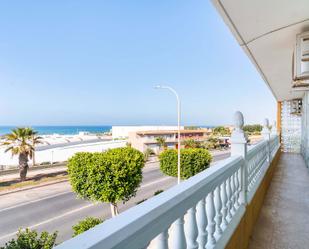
301, 61
296, 106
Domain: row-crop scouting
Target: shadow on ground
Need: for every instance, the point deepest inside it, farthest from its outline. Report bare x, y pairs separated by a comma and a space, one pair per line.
36, 178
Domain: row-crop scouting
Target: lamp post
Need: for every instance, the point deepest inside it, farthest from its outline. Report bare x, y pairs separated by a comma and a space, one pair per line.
178, 124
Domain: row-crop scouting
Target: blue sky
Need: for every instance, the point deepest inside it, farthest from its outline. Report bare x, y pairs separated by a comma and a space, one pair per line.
96, 62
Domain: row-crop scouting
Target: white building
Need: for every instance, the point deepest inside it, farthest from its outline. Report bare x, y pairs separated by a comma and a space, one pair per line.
143, 140
122, 132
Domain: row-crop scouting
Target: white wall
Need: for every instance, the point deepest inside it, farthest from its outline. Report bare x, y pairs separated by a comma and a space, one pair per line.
62, 153
305, 129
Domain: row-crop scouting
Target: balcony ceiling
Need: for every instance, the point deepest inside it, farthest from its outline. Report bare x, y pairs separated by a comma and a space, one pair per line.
266, 30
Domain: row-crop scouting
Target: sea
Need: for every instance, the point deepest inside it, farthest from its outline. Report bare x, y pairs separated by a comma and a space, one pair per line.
61, 130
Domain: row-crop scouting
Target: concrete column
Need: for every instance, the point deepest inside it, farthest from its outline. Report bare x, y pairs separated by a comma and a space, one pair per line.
266, 132
238, 138
274, 130
239, 148
266, 136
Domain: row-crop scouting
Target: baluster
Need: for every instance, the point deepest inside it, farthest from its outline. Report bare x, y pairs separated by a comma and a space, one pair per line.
192, 229
218, 206
238, 189
243, 183
179, 240
224, 208
229, 203
250, 171
162, 240
202, 224
231, 196
210, 207
233, 193
253, 172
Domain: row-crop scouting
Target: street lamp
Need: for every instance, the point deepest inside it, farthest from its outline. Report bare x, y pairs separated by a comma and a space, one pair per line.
178, 119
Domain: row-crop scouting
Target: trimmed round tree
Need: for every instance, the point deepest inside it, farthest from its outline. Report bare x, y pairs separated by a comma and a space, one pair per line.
192, 161
110, 176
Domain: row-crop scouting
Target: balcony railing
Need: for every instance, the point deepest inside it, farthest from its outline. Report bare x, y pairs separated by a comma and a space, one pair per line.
201, 212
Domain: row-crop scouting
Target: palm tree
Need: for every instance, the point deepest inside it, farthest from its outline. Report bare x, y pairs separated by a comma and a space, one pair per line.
35, 139
191, 143
19, 142
161, 141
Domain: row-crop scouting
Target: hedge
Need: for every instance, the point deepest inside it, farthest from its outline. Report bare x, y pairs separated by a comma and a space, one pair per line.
30, 239
85, 225
192, 161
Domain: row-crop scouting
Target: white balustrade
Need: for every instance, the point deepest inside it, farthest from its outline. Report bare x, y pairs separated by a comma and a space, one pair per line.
238, 187
224, 204
162, 240
179, 237
229, 199
218, 205
201, 212
211, 219
234, 191
192, 231
202, 224
257, 160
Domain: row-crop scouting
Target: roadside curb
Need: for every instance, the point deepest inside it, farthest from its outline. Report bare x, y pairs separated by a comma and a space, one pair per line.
31, 187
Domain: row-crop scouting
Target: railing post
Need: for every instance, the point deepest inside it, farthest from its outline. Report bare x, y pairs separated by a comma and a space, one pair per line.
266, 136
239, 148
274, 130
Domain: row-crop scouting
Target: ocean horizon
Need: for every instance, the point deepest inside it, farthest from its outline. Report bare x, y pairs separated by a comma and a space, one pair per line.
69, 129
61, 130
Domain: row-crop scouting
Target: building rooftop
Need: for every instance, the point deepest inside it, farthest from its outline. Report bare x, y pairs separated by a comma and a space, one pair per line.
163, 132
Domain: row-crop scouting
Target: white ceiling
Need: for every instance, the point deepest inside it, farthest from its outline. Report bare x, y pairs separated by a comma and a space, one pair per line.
266, 30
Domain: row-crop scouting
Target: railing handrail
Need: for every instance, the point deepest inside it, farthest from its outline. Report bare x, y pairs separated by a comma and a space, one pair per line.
255, 148
138, 225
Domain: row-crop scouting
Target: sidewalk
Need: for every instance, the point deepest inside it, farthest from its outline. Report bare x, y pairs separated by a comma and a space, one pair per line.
32, 173
219, 152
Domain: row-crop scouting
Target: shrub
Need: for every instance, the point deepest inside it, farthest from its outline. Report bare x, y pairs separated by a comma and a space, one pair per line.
255, 128
192, 161
85, 225
110, 176
222, 131
29, 239
141, 201
211, 143
45, 163
158, 192
191, 143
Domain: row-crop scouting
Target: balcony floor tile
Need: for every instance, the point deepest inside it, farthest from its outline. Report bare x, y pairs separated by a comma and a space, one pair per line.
284, 218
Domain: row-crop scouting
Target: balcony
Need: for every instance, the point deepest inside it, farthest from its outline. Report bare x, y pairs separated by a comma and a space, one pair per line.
214, 209
284, 220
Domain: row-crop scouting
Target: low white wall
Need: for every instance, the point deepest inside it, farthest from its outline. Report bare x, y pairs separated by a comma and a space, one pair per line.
61, 154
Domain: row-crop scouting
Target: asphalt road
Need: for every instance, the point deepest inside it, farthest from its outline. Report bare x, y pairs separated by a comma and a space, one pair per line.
56, 208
